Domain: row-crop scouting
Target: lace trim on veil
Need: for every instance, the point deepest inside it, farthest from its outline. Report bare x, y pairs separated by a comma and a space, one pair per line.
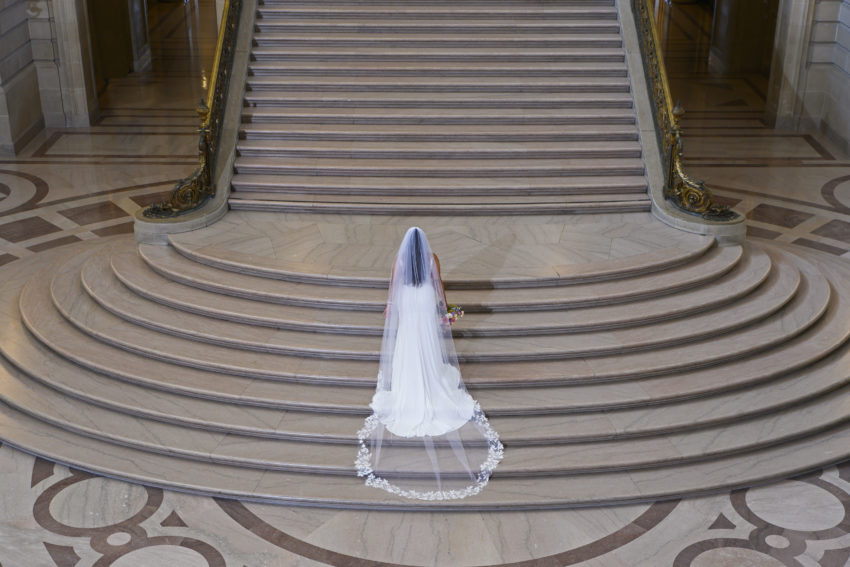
495, 453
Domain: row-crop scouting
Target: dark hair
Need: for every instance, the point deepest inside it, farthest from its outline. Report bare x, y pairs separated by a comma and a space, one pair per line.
416, 269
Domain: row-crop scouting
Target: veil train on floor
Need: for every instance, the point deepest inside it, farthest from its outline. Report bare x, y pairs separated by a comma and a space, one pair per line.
427, 438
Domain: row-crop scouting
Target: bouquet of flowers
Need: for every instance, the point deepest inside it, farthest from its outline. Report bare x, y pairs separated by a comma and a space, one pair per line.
453, 313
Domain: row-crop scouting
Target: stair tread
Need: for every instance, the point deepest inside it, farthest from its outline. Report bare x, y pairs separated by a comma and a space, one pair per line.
457, 201
202, 444
741, 280
340, 492
354, 98
106, 327
470, 115
452, 131
507, 37
463, 68
686, 261
99, 282
309, 184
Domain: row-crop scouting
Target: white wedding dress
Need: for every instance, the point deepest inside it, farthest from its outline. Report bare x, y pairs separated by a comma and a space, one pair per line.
427, 438
426, 396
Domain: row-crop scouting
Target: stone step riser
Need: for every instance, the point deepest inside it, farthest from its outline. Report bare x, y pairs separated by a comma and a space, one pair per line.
425, 155
705, 262
450, 3
342, 102
264, 43
783, 430
260, 116
485, 90
466, 28
248, 132
278, 186
129, 268
821, 380
777, 291
504, 17
460, 57
601, 207
410, 69
338, 170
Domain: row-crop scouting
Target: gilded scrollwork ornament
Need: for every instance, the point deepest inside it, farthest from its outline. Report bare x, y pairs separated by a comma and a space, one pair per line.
193, 191
686, 193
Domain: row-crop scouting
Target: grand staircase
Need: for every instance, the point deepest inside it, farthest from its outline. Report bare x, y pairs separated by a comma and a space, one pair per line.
386, 108
621, 360
677, 368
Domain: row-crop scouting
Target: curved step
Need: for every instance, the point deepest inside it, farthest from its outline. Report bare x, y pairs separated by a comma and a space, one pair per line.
103, 288
664, 252
253, 407
343, 492
133, 273
108, 328
743, 436
766, 375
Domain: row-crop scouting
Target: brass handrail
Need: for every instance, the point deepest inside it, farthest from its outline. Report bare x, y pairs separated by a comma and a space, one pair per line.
686, 193
193, 191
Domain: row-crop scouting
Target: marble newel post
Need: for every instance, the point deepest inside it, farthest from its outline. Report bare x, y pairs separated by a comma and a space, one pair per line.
20, 105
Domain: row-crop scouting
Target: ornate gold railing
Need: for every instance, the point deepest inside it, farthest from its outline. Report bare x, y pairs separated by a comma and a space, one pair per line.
683, 191
193, 191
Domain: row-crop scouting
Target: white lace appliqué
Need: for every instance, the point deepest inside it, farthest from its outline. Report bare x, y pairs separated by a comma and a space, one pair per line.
495, 453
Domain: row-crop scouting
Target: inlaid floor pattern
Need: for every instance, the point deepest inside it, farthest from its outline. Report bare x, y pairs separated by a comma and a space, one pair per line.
679, 370
383, 107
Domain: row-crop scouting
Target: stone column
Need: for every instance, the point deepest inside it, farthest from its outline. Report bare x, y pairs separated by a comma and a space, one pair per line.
789, 67
20, 105
138, 12
74, 57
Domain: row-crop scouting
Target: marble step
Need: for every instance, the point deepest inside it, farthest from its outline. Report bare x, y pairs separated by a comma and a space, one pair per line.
599, 206
445, 116
443, 69
445, 150
96, 456
490, 3
345, 83
437, 133
101, 285
456, 168
310, 185
137, 276
102, 375
443, 41
801, 313
560, 28
70, 414
454, 12
826, 335
457, 203
448, 100
466, 55
649, 275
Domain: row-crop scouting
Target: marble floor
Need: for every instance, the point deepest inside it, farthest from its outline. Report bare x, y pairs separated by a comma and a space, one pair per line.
80, 184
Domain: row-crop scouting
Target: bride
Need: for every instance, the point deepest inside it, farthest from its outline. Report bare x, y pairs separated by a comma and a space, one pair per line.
427, 438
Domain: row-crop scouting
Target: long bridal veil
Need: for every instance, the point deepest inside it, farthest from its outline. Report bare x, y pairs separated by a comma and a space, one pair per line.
427, 438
